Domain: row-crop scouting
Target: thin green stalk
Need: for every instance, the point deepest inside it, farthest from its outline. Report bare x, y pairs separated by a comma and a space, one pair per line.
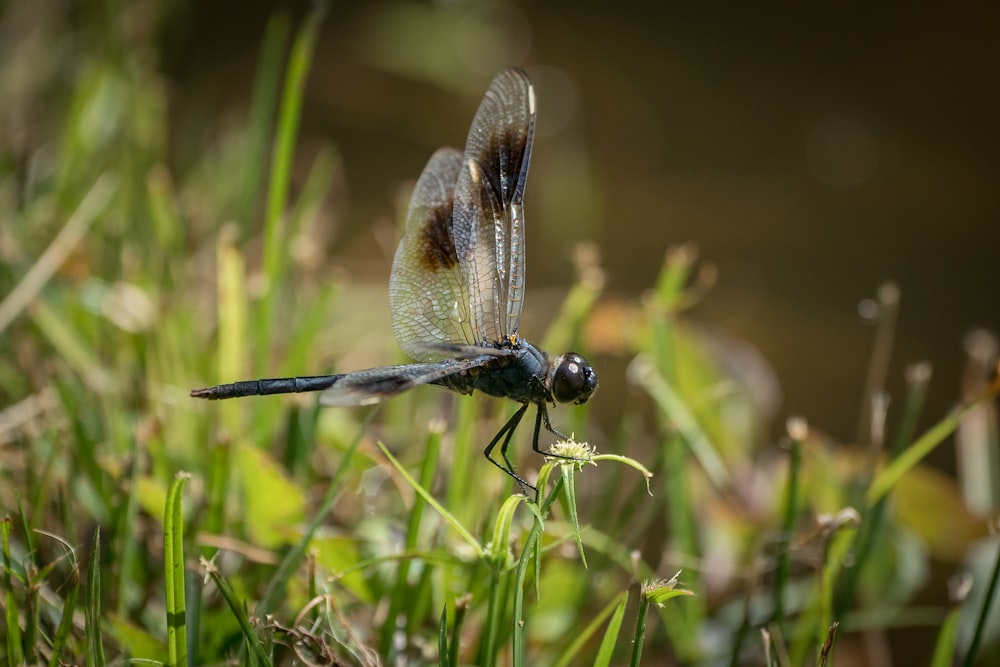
872, 517
14, 652
878, 366
464, 439
658, 592
401, 591
640, 631
797, 432
438, 507
461, 611
528, 553
126, 523
490, 630
61, 636
31, 600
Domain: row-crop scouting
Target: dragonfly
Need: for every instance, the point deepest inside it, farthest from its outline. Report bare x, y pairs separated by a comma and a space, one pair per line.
456, 289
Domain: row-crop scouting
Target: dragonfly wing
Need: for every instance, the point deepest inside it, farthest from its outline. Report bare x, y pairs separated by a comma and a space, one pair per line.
427, 294
375, 385
488, 214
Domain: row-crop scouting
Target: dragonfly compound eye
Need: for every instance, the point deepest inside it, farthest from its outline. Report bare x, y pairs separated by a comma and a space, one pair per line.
573, 380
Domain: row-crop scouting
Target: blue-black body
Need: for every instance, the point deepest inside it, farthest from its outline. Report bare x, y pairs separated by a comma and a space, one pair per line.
457, 284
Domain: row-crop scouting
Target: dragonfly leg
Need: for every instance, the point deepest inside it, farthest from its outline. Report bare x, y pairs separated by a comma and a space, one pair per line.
506, 432
543, 414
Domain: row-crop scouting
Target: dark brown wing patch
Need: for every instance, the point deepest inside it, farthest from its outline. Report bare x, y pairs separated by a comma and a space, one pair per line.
502, 163
437, 247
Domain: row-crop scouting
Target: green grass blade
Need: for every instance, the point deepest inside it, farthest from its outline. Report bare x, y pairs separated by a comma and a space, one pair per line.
498, 550
267, 82
464, 435
62, 634
491, 627
400, 597
32, 590
438, 507
125, 526
529, 553
616, 606
944, 647
872, 519
676, 412
275, 241
92, 614
569, 485
14, 645
444, 654
610, 639
275, 588
219, 462
797, 431
640, 631
984, 613
462, 605
231, 345
924, 446
173, 548
238, 609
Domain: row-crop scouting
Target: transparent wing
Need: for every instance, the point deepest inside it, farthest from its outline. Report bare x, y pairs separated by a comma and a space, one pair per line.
427, 295
488, 222
375, 385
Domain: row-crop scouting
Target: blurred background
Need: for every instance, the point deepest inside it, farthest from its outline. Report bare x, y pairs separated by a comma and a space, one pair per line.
810, 154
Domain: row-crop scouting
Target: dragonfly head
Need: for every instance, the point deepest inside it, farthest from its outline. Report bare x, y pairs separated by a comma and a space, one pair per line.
571, 379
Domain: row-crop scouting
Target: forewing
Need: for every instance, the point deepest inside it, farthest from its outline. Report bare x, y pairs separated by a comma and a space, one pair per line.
427, 296
375, 385
488, 213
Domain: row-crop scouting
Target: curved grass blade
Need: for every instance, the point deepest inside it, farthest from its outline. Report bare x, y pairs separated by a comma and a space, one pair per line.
607, 648
984, 612
438, 507
253, 640
615, 607
924, 445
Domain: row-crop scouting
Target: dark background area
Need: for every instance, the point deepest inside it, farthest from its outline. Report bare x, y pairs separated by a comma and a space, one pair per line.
811, 152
